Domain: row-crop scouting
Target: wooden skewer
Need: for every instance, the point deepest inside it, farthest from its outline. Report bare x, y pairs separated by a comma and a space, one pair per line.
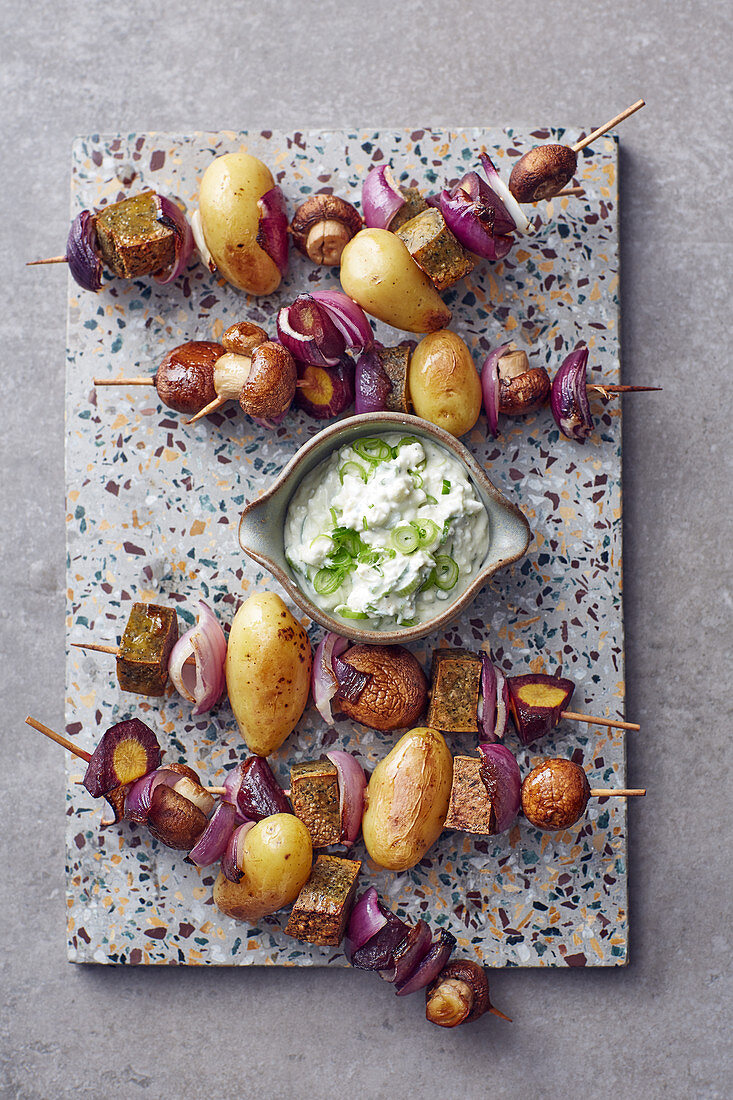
600, 388
48, 260
608, 126
99, 648
63, 741
621, 792
138, 380
210, 408
591, 721
564, 194
81, 753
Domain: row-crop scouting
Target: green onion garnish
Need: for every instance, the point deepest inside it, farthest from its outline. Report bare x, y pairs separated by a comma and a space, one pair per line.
428, 500
445, 573
427, 531
405, 538
352, 468
327, 580
416, 479
347, 613
373, 450
446, 488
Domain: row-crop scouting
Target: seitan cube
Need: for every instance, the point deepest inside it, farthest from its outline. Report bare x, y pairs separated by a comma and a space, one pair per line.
142, 659
131, 239
314, 793
322, 907
395, 363
434, 248
414, 205
455, 689
470, 807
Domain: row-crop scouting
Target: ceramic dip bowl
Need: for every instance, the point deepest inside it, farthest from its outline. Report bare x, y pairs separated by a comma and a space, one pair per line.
261, 528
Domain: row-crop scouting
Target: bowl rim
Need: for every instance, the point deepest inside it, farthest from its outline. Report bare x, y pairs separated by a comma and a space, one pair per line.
383, 421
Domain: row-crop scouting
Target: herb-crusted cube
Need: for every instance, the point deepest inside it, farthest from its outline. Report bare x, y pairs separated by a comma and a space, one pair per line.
395, 362
454, 694
132, 240
142, 659
434, 248
414, 204
322, 907
470, 808
314, 793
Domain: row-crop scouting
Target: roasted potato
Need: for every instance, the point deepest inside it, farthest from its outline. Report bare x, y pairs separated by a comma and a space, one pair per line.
276, 863
268, 668
407, 800
444, 384
230, 213
379, 273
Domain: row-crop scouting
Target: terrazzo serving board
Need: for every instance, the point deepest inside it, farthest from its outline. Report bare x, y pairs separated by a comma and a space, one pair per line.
152, 511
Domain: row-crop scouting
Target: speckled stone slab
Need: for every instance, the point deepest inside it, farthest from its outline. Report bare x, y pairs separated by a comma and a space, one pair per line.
152, 509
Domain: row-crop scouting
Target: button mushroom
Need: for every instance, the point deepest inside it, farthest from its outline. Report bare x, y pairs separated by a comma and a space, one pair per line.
390, 694
175, 820
522, 389
459, 995
322, 226
555, 794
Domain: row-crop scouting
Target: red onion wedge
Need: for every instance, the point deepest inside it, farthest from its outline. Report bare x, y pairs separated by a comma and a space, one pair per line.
137, 803
305, 328
379, 951
349, 318
272, 232
500, 774
409, 955
352, 783
196, 663
366, 919
371, 384
487, 712
569, 397
323, 679
255, 792
381, 197
212, 843
81, 252
490, 386
233, 859
511, 207
470, 215
502, 705
171, 215
351, 682
427, 971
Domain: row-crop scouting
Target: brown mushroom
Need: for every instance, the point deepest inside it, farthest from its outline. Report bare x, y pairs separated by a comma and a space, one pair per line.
185, 378
269, 387
322, 226
555, 794
394, 688
522, 389
542, 172
459, 995
243, 338
175, 820
191, 788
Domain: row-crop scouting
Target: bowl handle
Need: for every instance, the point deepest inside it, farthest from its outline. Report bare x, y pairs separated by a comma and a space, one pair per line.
252, 527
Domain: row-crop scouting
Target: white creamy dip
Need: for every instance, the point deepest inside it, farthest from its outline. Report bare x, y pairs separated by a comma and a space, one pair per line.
386, 530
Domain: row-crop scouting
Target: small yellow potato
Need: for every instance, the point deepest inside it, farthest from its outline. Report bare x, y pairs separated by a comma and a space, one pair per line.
230, 218
276, 863
379, 273
444, 385
407, 799
268, 668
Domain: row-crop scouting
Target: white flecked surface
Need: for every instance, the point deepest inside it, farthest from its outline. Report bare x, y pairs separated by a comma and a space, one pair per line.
657, 1028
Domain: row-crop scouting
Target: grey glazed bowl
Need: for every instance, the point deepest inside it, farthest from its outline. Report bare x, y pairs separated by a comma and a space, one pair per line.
261, 528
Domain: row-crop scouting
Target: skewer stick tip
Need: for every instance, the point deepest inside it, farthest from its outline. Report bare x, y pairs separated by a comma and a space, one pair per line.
48, 260
608, 125
621, 792
210, 408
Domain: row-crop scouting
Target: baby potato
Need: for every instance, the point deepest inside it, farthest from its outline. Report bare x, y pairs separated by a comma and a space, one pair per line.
444, 385
379, 273
276, 863
407, 799
230, 220
268, 668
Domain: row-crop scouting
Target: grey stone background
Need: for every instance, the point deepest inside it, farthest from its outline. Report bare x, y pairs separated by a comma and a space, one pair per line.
658, 1028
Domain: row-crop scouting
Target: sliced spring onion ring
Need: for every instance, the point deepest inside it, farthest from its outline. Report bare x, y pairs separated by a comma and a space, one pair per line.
372, 449
328, 580
405, 538
354, 469
445, 573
